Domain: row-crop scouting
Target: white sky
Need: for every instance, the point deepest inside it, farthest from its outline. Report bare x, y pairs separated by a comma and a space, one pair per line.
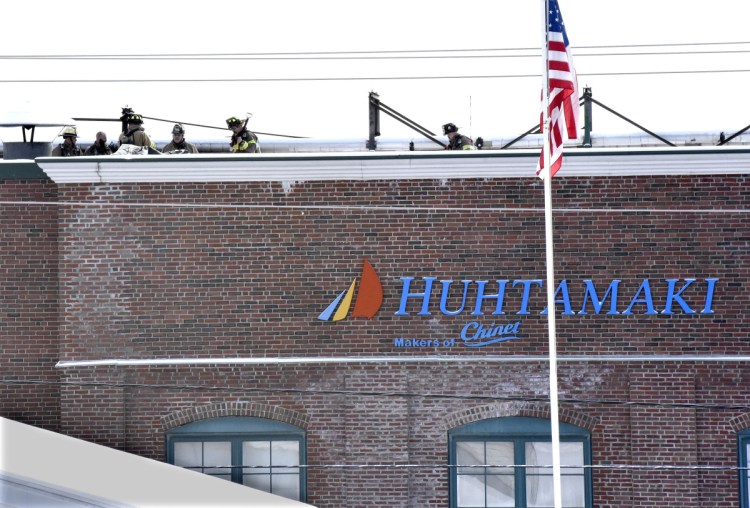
494, 107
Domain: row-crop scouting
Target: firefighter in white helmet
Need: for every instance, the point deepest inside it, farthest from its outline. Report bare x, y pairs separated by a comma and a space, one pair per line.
68, 148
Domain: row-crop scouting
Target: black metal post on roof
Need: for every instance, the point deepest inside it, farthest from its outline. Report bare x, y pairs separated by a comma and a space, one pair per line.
587, 117
374, 107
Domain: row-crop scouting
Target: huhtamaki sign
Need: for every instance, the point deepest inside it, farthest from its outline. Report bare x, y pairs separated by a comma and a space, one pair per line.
503, 297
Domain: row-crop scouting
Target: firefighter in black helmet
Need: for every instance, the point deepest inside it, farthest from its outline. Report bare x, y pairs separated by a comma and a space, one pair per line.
178, 144
243, 141
136, 134
457, 141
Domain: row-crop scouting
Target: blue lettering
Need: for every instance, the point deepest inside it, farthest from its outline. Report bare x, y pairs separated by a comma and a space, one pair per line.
591, 294
481, 297
709, 296
474, 334
672, 296
444, 297
526, 291
405, 295
646, 289
563, 288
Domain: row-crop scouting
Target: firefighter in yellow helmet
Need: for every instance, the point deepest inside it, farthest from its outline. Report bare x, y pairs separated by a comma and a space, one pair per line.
457, 141
136, 134
68, 148
243, 141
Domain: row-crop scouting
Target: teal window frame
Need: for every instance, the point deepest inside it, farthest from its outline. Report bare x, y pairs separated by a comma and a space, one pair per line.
743, 475
237, 429
519, 430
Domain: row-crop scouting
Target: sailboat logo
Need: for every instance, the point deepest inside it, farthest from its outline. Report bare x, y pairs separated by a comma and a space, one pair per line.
368, 301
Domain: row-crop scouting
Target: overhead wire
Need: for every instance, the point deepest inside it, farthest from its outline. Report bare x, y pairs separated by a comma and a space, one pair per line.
365, 78
415, 53
219, 56
471, 53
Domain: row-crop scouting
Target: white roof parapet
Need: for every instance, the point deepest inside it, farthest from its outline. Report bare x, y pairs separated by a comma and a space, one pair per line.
441, 165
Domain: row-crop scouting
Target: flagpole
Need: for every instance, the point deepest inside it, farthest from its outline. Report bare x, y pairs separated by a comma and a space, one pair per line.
553, 401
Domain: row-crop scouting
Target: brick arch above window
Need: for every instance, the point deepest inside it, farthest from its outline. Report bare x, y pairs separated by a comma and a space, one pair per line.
740, 422
197, 413
529, 409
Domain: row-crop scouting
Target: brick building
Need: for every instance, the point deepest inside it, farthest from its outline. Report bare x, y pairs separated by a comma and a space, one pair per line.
189, 305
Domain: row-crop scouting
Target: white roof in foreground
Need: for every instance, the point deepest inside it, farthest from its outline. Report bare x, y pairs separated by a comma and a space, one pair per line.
39, 468
290, 169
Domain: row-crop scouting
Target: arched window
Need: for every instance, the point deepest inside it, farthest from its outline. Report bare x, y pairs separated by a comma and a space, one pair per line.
487, 456
257, 452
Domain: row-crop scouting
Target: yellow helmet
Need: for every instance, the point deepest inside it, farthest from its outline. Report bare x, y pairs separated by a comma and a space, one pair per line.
69, 131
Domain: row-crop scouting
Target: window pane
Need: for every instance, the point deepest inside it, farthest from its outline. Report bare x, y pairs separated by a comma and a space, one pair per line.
573, 492
258, 481
500, 453
501, 490
286, 485
539, 491
189, 454
571, 454
256, 453
469, 453
284, 453
217, 453
470, 491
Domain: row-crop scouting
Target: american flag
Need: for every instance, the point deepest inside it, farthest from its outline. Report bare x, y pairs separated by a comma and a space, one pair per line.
563, 90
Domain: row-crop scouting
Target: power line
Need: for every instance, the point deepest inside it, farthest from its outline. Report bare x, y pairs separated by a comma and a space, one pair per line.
375, 53
363, 78
271, 58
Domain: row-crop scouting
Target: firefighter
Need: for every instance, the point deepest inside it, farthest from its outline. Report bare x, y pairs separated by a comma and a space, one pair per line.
457, 141
178, 141
68, 148
100, 145
243, 141
136, 134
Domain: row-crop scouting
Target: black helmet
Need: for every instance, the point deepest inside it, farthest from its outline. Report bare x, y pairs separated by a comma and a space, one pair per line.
232, 121
178, 129
136, 119
449, 127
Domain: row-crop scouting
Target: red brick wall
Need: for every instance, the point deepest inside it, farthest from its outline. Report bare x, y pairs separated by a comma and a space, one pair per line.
28, 302
244, 269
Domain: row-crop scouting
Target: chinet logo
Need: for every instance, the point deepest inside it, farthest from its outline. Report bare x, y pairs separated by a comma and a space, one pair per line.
368, 301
